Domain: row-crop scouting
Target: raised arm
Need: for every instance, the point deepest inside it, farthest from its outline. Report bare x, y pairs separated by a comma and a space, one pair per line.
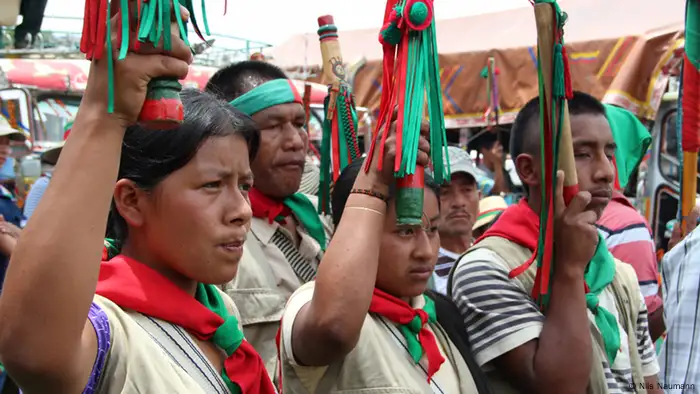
559, 361
46, 342
328, 328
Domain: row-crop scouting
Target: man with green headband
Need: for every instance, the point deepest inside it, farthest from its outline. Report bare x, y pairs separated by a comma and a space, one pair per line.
593, 337
287, 236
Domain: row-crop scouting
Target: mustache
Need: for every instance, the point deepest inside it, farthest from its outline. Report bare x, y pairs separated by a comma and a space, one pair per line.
459, 212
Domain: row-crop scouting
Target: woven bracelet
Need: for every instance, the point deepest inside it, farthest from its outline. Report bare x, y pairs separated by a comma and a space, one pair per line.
371, 193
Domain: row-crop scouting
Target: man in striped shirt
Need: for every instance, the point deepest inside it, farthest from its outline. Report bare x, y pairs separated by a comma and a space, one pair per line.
628, 237
459, 207
596, 342
680, 275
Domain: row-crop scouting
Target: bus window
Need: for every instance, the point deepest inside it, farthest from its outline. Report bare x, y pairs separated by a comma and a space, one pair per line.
668, 154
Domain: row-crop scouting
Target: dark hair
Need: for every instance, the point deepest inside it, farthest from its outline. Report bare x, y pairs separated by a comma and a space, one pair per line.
236, 79
149, 156
345, 182
524, 133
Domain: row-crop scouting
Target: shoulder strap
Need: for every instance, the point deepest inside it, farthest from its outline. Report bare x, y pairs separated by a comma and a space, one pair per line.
302, 268
450, 319
176, 343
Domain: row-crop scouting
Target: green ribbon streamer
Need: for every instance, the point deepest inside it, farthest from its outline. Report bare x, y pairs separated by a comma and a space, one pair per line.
154, 23
227, 336
422, 76
305, 211
411, 330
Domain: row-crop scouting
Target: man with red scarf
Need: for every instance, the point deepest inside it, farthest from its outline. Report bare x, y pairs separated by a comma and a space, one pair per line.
593, 336
287, 236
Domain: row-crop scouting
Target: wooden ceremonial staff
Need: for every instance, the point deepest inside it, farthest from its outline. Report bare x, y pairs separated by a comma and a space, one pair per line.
689, 109
339, 146
556, 143
547, 31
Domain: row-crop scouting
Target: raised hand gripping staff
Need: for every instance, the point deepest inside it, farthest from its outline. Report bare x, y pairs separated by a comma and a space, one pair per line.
411, 74
162, 108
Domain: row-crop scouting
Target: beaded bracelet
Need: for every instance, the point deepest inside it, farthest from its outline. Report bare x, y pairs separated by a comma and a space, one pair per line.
371, 193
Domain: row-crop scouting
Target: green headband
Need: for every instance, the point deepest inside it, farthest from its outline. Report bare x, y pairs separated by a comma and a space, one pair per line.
269, 94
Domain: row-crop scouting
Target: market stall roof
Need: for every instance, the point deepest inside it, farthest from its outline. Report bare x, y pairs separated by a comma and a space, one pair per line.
589, 20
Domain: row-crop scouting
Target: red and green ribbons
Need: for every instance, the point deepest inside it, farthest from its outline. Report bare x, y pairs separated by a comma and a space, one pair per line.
339, 144
413, 326
132, 285
271, 93
264, 207
162, 106
552, 110
493, 109
520, 224
410, 81
689, 108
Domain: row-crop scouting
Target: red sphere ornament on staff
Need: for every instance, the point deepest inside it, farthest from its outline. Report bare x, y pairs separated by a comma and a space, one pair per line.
150, 21
411, 75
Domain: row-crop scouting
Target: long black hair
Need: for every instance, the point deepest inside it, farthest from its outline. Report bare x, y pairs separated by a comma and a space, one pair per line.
346, 180
149, 156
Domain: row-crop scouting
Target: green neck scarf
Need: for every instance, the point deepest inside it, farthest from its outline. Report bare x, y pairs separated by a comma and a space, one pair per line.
599, 274
307, 214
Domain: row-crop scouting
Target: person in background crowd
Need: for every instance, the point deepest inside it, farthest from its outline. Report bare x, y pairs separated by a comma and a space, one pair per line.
459, 206
151, 319
596, 341
492, 162
11, 217
366, 324
490, 208
50, 156
288, 236
32, 12
680, 274
626, 232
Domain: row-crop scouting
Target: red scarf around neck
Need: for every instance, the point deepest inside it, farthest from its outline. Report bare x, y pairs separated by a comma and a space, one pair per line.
135, 286
518, 224
401, 313
266, 208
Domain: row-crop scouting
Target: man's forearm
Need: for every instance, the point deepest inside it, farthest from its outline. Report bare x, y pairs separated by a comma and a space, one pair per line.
657, 326
563, 357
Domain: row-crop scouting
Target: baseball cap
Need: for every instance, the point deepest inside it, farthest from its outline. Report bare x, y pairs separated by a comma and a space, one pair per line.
460, 161
6, 130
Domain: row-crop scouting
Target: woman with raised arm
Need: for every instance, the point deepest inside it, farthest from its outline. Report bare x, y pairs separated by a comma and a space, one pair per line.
149, 320
367, 322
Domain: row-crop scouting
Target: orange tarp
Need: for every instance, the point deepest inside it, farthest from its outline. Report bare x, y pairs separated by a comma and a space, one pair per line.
617, 49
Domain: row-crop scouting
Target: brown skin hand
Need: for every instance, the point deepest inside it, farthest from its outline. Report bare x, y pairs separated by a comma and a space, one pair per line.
333, 320
559, 361
493, 159
459, 207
